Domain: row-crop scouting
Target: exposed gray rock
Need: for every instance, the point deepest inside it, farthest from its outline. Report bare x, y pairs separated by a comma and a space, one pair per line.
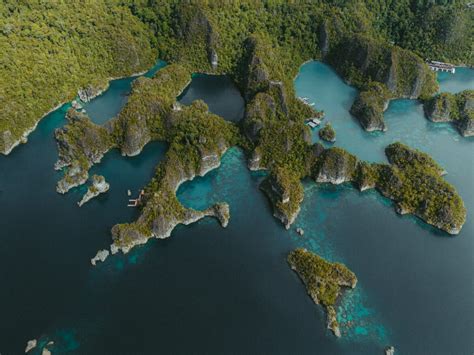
324, 39
466, 127
285, 194
162, 226
439, 108
31, 345
456, 108
74, 176
335, 166
100, 256
403, 72
277, 86
90, 92
135, 135
369, 107
76, 105
213, 58
466, 124
327, 133
6, 142
254, 162
99, 186
81, 144
332, 322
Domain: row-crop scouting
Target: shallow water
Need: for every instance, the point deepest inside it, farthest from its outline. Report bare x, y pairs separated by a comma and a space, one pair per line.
417, 278
214, 290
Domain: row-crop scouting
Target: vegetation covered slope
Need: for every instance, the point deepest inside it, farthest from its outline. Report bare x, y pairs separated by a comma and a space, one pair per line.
250, 41
323, 280
455, 108
52, 49
49, 50
197, 139
412, 180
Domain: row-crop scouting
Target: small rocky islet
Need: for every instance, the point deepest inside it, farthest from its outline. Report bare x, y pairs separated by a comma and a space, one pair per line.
457, 109
327, 133
98, 186
323, 280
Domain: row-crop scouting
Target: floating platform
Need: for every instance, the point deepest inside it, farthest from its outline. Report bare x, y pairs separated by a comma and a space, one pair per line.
440, 66
313, 122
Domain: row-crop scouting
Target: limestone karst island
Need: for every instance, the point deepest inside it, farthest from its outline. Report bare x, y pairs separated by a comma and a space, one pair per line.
237, 177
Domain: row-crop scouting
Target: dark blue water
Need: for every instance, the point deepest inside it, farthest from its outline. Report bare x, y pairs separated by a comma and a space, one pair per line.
112, 100
213, 290
219, 92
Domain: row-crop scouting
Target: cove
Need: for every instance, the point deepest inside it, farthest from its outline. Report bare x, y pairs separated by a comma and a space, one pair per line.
213, 290
218, 92
114, 99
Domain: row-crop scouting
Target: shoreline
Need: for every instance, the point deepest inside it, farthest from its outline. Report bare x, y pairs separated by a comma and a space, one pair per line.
23, 139
24, 136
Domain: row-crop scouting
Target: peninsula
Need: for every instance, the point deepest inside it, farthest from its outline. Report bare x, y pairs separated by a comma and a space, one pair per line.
323, 280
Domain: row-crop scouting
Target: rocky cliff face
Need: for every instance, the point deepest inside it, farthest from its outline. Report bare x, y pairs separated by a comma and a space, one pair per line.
274, 118
360, 60
255, 75
324, 39
90, 92
285, 192
75, 175
81, 144
335, 166
369, 107
456, 108
197, 36
7, 142
438, 109
466, 127
98, 186
465, 123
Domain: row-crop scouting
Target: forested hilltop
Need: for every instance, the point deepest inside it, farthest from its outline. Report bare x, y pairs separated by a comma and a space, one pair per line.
51, 49
433, 29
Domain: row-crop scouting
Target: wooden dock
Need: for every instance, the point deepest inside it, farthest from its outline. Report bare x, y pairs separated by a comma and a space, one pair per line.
134, 202
313, 122
440, 66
